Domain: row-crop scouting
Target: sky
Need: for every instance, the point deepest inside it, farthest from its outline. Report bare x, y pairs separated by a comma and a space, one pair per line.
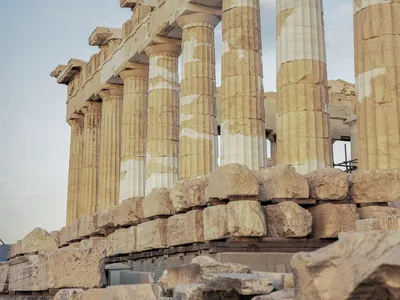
34, 137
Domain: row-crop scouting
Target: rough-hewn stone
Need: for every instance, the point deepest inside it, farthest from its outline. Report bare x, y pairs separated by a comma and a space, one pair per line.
231, 180
157, 203
328, 184
377, 211
185, 228
88, 226
280, 281
76, 268
189, 193
64, 235
189, 292
26, 274
151, 235
331, 219
93, 242
376, 186
287, 219
93, 294
105, 218
246, 218
279, 295
283, 182
128, 212
38, 240
215, 221
73, 230
56, 235
381, 223
367, 262
122, 241
69, 294
15, 249
137, 291
4, 275
244, 284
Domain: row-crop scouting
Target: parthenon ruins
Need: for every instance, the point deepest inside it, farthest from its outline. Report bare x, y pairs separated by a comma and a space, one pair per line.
170, 179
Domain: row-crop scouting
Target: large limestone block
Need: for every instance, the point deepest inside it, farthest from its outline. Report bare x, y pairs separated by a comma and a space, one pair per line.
232, 180
376, 186
328, 184
137, 291
377, 211
280, 281
189, 292
331, 219
105, 218
367, 262
88, 226
56, 235
129, 212
4, 275
73, 231
287, 219
76, 268
93, 242
121, 241
64, 235
215, 221
246, 219
198, 271
185, 228
151, 235
279, 295
38, 240
189, 193
283, 182
381, 223
244, 284
157, 203
15, 249
69, 294
93, 294
26, 274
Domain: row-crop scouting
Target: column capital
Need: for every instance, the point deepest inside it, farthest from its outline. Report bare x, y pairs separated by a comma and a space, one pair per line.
135, 70
198, 20
91, 106
76, 121
163, 48
110, 91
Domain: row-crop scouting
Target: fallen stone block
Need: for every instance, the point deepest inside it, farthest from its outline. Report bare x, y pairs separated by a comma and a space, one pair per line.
151, 235
331, 219
189, 292
368, 264
244, 284
88, 226
376, 186
215, 221
381, 223
280, 281
93, 294
287, 219
137, 291
283, 182
105, 218
4, 276
246, 219
328, 184
93, 242
185, 228
128, 212
64, 236
27, 274
189, 193
73, 231
15, 249
369, 212
75, 268
232, 180
157, 203
279, 295
201, 268
69, 294
56, 235
38, 240
121, 241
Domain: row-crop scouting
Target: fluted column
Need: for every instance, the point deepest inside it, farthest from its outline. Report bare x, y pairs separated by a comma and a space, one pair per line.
198, 126
75, 169
303, 124
352, 122
377, 62
90, 166
242, 104
110, 146
133, 139
163, 116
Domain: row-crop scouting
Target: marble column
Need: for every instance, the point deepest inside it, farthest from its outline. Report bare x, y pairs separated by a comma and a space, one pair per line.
110, 146
75, 169
162, 116
133, 139
90, 166
242, 103
377, 62
198, 126
303, 123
